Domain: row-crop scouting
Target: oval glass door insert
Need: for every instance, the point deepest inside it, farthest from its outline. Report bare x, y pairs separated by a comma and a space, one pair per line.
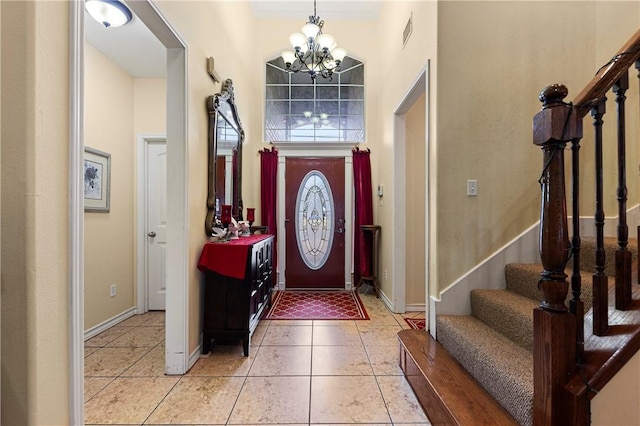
315, 213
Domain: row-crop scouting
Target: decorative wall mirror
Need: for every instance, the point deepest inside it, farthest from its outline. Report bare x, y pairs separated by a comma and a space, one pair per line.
226, 137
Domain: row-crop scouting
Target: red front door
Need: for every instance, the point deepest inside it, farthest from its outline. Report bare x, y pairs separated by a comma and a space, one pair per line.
314, 223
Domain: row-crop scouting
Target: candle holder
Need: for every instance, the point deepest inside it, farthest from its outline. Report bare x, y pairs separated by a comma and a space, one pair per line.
225, 216
251, 212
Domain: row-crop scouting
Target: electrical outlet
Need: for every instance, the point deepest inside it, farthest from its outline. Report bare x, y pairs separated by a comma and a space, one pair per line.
386, 276
112, 290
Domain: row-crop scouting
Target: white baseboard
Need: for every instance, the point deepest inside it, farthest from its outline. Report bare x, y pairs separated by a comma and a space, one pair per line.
588, 228
415, 307
489, 274
385, 299
105, 325
194, 357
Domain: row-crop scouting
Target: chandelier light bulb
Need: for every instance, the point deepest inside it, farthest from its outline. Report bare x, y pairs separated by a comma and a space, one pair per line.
288, 56
324, 115
307, 114
310, 30
326, 41
338, 54
298, 40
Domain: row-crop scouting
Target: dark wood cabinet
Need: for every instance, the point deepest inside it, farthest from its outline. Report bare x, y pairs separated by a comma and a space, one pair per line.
233, 306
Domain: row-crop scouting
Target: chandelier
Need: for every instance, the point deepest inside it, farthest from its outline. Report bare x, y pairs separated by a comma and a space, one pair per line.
314, 52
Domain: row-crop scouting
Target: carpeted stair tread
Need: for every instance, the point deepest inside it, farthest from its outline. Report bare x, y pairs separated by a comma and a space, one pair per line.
502, 367
506, 312
522, 278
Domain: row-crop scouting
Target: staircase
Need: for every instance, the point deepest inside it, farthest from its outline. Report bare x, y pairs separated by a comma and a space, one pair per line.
542, 348
495, 343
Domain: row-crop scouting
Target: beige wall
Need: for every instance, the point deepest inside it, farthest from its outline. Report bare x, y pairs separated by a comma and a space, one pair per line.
35, 185
416, 201
398, 68
149, 106
108, 237
211, 29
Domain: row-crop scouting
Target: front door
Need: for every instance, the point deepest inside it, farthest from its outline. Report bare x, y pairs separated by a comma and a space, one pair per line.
314, 223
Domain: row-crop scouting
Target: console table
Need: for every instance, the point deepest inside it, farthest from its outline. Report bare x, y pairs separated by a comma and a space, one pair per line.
237, 287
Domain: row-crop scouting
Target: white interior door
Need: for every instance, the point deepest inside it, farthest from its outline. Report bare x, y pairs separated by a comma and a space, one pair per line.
156, 182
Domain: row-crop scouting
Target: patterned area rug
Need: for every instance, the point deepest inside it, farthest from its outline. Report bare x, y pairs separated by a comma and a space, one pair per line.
317, 305
417, 323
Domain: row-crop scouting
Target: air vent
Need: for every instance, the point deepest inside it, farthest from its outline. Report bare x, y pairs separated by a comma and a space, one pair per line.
408, 29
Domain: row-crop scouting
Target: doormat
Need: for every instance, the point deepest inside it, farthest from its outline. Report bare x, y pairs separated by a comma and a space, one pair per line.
417, 323
317, 305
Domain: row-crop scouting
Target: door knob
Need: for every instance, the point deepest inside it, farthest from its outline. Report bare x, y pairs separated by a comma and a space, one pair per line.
151, 234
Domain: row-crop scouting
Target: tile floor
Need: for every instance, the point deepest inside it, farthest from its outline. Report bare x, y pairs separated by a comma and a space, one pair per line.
297, 373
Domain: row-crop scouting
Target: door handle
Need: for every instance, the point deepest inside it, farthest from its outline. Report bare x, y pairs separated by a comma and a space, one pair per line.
151, 234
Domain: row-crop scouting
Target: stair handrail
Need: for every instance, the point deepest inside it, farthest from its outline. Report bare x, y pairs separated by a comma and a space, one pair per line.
607, 76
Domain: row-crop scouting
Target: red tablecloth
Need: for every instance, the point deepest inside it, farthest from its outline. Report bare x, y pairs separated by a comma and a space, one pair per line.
228, 258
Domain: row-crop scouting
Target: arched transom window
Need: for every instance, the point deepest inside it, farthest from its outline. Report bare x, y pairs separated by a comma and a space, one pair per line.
299, 109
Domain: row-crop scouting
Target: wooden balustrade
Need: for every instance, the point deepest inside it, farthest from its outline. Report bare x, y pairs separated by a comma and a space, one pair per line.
565, 374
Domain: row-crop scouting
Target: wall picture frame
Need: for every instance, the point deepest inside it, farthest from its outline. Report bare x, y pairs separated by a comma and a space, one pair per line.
97, 180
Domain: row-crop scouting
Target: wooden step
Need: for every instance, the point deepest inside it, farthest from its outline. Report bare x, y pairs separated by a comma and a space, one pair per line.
447, 393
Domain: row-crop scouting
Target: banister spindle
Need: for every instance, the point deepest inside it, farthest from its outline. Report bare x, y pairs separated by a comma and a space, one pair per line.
600, 288
623, 255
576, 306
638, 229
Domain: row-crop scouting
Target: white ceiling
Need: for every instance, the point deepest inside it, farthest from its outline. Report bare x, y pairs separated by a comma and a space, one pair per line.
330, 9
136, 50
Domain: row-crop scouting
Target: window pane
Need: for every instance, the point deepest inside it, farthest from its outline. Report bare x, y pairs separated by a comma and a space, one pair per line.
301, 78
352, 122
277, 107
277, 92
276, 75
301, 92
353, 76
327, 107
300, 107
351, 107
327, 92
351, 92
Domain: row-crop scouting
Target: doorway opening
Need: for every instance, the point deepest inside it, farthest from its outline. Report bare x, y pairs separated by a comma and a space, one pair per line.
176, 338
412, 177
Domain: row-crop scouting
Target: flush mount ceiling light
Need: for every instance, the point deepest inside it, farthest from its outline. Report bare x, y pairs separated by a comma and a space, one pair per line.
314, 52
110, 13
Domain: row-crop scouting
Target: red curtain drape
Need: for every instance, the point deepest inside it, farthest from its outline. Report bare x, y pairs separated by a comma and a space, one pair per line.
363, 212
268, 186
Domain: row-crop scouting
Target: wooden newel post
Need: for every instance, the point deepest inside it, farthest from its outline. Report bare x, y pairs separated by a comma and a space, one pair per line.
554, 328
553, 127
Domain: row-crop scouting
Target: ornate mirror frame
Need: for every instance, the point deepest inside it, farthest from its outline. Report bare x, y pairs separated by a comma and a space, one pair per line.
217, 103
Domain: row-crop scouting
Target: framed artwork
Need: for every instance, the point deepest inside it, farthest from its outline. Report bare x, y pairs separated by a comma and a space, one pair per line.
97, 180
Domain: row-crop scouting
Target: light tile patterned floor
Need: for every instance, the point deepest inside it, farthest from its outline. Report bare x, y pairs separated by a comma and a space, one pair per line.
297, 373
